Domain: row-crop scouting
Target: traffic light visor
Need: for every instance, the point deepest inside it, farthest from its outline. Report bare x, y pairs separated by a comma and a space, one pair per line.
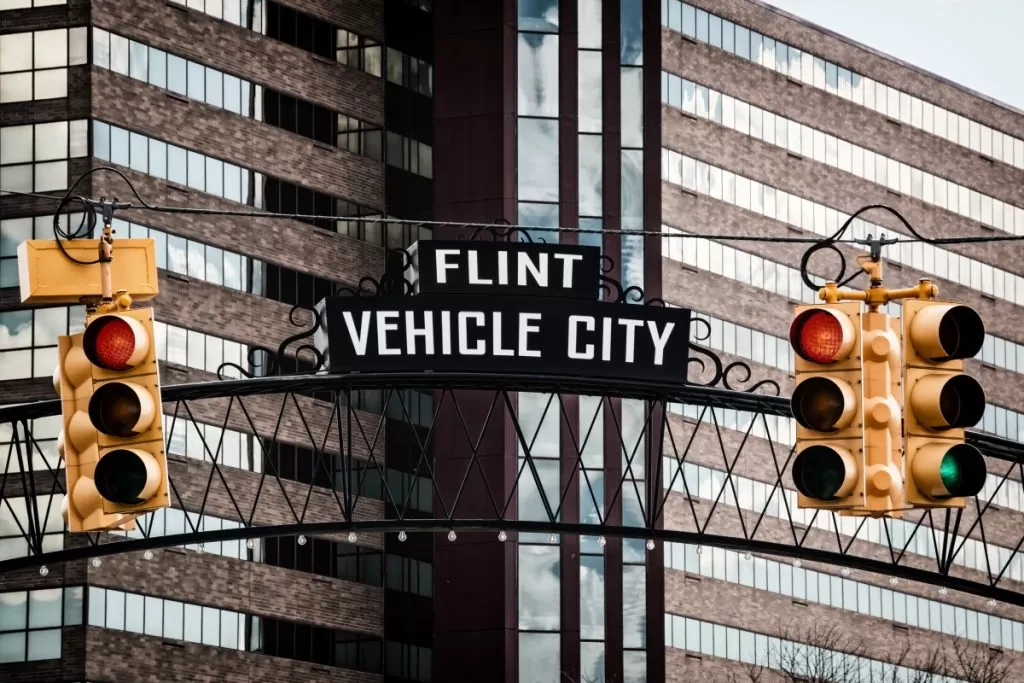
942, 402
115, 342
820, 335
944, 471
947, 332
823, 404
127, 476
824, 473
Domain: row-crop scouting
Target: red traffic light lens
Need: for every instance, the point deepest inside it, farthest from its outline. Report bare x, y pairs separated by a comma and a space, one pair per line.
817, 336
113, 344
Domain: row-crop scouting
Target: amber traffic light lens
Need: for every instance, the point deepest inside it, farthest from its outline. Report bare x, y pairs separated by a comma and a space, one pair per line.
115, 410
817, 336
962, 402
961, 333
818, 403
121, 477
110, 343
819, 472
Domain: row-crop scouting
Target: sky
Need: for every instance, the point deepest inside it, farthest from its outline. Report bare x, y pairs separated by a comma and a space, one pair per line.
975, 43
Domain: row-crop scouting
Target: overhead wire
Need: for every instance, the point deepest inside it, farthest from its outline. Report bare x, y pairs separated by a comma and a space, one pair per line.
89, 220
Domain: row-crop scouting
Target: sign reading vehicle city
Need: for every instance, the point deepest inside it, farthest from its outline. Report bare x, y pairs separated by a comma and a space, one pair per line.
501, 308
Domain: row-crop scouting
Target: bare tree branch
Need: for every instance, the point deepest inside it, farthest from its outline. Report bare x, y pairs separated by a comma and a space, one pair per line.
976, 662
813, 654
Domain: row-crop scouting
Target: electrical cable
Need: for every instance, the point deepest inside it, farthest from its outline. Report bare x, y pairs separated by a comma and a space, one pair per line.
89, 220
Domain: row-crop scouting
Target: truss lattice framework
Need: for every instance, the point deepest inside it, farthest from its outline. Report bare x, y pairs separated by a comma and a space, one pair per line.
722, 483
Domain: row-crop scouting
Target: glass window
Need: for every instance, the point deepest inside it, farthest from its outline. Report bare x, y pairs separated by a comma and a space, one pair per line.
538, 159
590, 97
538, 15
538, 74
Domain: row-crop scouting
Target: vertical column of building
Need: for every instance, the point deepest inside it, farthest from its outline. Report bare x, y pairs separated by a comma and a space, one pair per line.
569, 217
651, 455
475, 620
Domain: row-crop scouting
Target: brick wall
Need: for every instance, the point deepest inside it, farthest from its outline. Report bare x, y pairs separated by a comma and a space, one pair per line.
365, 17
74, 13
852, 122
705, 215
869, 63
829, 186
248, 587
289, 243
781, 616
153, 660
236, 494
240, 140
246, 54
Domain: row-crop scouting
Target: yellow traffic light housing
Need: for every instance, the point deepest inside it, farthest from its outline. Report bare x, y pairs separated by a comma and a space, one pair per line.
78, 442
125, 411
941, 470
826, 404
883, 432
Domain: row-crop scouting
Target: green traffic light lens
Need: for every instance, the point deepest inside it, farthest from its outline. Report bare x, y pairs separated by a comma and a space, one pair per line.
949, 472
962, 471
820, 472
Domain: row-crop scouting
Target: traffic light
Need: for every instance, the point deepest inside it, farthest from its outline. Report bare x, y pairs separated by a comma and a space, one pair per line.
941, 470
112, 440
826, 404
125, 409
77, 442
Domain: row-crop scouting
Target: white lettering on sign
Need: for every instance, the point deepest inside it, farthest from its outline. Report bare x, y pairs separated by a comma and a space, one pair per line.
442, 265
384, 325
574, 347
660, 340
568, 260
508, 334
474, 270
505, 267
526, 265
412, 332
359, 338
464, 316
528, 326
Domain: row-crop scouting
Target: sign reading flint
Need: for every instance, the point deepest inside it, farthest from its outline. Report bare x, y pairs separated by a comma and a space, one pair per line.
536, 323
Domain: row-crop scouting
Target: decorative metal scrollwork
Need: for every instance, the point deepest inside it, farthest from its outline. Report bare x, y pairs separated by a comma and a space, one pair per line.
266, 362
392, 283
721, 373
612, 290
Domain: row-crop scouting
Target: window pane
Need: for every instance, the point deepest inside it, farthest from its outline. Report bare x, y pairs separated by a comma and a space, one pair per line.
538, 159
538, 75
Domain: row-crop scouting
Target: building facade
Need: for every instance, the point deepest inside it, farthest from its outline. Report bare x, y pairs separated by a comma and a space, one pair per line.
610, 116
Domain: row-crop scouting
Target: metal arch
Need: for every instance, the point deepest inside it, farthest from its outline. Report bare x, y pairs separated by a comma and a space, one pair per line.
353, 439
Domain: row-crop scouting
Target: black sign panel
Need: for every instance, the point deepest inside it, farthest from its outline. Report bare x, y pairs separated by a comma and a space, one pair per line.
504, 335
516, 268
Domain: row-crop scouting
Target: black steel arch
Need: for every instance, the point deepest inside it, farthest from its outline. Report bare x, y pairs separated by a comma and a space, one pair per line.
351, 436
